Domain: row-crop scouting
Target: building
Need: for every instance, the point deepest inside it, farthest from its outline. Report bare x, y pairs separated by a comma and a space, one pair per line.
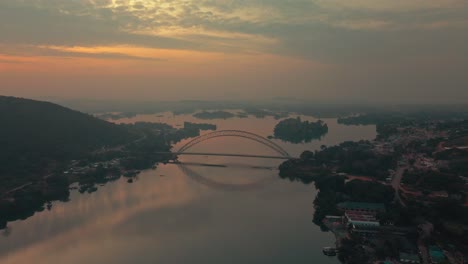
439, 195
362, 223
361, 218
373, 231
409, 258
365, 231
436, 254
362, 207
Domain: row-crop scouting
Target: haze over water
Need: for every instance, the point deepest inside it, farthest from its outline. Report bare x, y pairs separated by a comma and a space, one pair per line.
235, 214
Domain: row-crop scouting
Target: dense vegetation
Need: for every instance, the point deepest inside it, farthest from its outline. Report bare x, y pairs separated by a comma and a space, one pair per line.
189, 125
296, 131
351, 157
392, 117
434, 181
45, 147
214, 115
387, 122
333, 190
34, 133
355, 158
262, 113
369, 192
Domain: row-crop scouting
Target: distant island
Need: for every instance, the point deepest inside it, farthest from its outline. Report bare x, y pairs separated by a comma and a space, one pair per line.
246, 112
295, 130
214, 115
262, 113
200, 126
115, 116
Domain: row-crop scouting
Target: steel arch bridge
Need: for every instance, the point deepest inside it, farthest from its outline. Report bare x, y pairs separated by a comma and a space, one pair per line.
239, 134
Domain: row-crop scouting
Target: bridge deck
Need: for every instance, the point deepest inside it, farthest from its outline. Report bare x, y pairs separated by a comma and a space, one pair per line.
226, 155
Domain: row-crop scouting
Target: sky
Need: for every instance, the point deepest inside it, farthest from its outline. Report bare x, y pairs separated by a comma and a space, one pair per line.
327, 50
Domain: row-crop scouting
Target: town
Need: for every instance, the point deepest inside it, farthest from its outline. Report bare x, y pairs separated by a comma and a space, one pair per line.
402, 198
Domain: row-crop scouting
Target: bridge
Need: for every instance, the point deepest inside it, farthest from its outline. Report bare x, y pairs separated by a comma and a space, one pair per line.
184, 150
225, 155
282, 154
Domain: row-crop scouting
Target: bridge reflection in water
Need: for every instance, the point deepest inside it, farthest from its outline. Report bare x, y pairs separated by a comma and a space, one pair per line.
282, 154
226, 186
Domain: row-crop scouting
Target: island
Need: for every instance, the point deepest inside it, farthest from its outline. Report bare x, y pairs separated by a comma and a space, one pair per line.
295, 130
263, 113
214, 115
199, 126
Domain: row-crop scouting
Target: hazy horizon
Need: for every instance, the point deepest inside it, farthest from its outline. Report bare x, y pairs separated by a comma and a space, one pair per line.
318, 50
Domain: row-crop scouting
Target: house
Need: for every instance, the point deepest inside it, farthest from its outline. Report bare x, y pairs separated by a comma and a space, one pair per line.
365, 231
372, 230
361, 218
436, 254
409, 258
364, 207
439, 195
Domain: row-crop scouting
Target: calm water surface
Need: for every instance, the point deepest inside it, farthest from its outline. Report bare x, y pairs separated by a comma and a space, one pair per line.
191, 214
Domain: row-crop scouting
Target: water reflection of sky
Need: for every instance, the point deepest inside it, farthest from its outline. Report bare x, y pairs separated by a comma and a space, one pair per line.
176, 218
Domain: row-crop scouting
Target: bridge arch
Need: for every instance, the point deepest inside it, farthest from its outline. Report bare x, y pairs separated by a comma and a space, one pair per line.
235, 133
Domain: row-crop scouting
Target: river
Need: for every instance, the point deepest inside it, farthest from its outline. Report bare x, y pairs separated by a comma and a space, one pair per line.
191, 214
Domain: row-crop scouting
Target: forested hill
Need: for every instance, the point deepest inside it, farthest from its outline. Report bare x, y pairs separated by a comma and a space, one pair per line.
33, 131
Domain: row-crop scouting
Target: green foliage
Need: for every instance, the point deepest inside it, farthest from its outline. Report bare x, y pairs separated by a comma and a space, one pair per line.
356, 158
40, 139
434, 181
325, 182
367, 191
451, 210
189, 125
307, 155
214, 115
262, 113
296, 131
325, 204
35, 133
352, 252
298, 170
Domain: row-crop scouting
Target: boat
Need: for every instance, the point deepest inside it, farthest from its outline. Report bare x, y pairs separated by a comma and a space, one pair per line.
329, 251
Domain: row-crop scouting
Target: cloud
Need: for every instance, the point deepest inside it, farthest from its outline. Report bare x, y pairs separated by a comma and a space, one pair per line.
207, 24
291, 27
69, 23
171, 36
116, 52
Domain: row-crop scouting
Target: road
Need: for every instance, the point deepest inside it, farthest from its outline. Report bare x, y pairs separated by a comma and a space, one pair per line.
424, 253
396, 181
226, 155
17, 188
23, 186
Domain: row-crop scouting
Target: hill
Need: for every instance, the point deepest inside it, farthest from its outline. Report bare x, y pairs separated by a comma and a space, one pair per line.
34, 133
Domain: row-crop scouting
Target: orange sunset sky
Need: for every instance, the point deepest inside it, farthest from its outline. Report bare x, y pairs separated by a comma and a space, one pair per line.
336, 50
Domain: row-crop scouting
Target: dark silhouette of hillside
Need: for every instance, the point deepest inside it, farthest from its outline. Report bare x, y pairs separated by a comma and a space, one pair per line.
32, 133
